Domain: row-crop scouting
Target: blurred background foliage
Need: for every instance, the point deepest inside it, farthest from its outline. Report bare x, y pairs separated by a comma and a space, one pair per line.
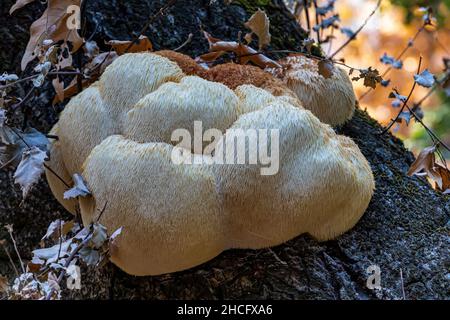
388, 31
411, 5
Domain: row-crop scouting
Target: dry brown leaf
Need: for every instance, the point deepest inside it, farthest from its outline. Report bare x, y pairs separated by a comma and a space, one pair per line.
19, 4
93, 69
244, 53
210, 56
58, 85
52, 25
3, 284
62, 61
143, 44
444, 173
426, 162
259, 24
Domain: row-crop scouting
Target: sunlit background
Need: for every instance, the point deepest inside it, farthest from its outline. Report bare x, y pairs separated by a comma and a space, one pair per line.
388, 31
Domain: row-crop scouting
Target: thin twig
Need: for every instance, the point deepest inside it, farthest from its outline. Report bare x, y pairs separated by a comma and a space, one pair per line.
429, 131
11, 260
308, 23
317, 21
303, 54
16, 106
357, 31
399, 56
402, 283
149, 22
188, 40
9, 229
37, 75
79, 54
405, 102
67, 264
45, 166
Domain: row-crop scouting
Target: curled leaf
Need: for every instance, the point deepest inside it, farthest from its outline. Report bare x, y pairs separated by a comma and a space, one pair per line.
259, 24
79, 189
30, 169
425, 79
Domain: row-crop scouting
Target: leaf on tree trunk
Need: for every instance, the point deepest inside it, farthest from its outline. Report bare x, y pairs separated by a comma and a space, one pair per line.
244, 53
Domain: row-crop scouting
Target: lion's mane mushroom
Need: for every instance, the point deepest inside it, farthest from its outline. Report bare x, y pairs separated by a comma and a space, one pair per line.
331, 99
176, 216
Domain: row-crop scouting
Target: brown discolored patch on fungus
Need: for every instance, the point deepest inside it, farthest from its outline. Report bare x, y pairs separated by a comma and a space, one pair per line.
233, 75
186, 63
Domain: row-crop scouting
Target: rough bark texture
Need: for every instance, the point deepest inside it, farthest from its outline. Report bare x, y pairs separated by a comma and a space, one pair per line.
405, 227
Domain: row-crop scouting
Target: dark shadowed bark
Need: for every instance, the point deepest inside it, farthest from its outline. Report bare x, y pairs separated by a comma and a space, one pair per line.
405, 227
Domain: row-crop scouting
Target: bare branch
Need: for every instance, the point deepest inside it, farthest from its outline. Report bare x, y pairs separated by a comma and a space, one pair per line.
350, 39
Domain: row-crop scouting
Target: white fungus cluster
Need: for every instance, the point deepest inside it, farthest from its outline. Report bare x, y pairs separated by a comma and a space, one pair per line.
117, 135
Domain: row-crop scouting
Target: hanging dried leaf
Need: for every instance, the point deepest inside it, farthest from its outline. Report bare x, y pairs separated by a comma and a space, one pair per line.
12, 152
30, 169
425, 162
52, 25
259, 24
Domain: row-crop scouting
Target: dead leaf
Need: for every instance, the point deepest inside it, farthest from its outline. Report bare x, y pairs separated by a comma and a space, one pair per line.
91, 49
90, 256
93, 70
444, 173
210, 56
19, 4
52, 25
99, 235
143, 44
12, 152
244, 53
53, 253
58, 85
4, 285
326, 68
64, 59
426, 162
30, 169
79, 189
259, 24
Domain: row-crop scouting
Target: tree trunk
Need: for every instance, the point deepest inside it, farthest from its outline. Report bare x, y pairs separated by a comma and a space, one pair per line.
405, 228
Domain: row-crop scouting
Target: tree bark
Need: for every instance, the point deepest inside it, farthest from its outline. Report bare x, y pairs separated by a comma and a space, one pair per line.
405, 228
